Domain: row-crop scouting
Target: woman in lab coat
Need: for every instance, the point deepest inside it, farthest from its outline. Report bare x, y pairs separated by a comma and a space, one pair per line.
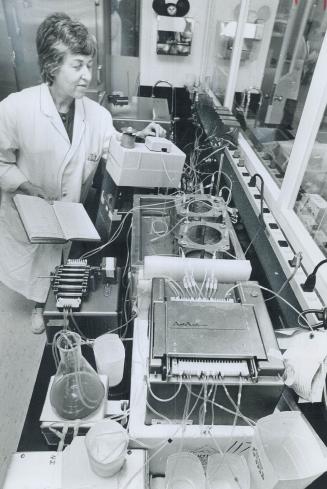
51, 140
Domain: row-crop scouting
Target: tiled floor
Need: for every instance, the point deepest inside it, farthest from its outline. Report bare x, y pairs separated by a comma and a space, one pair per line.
20, 356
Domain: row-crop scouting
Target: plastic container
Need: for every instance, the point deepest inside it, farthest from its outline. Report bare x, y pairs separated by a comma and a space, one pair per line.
106, 444
286, 452
128, 137
109, 353
227, 471
184, 471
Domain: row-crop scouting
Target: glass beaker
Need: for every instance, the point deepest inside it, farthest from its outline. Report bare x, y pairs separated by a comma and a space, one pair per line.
77, 390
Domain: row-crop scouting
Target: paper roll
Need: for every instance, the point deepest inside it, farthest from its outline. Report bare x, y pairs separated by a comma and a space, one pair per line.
226, 271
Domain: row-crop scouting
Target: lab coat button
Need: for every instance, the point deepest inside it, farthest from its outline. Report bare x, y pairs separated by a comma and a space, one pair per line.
64, 194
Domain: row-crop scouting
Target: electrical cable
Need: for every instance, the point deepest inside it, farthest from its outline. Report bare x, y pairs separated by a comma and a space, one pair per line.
272, 292
319, 324
166, 171
288, 280
261, 228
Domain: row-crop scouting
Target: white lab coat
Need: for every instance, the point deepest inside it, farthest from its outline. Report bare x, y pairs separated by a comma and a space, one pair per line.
35, 147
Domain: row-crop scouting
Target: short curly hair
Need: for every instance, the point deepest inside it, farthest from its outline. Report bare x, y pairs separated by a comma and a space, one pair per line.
57, 35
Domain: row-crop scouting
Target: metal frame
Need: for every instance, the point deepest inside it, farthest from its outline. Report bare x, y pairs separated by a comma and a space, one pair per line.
236, 55
281, 201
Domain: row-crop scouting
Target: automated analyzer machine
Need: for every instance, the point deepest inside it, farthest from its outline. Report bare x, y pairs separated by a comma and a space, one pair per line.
212, 346
216, 343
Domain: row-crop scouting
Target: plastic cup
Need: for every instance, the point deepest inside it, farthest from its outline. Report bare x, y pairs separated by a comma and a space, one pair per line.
109, 353
227, 471
184, 471
106, 444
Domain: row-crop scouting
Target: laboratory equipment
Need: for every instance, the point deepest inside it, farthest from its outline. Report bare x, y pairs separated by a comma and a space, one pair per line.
194, 226
77, 390
128, 137
227, 470
154, 143
71, 469
109, 353
100, 300
208, 333
184, 470
106, 444
70, 283
286, 452
141, 167
54, 428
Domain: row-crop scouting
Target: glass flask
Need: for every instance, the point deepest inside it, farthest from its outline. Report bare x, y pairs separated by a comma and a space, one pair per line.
77, 390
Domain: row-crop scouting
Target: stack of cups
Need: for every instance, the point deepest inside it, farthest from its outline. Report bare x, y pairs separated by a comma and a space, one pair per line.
109, 353
106, 444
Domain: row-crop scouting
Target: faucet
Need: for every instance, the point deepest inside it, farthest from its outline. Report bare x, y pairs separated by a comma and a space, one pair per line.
171, 111
158, 83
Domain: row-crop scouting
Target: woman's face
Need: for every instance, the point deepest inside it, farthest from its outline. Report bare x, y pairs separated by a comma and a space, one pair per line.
74, 75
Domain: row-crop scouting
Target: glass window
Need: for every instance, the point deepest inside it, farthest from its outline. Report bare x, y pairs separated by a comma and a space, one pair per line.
311, 202
225, 18
281, 46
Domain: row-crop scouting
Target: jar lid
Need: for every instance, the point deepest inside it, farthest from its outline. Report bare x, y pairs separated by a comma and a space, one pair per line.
128, 130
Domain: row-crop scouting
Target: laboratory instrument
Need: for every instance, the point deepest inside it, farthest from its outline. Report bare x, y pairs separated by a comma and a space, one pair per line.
77, 390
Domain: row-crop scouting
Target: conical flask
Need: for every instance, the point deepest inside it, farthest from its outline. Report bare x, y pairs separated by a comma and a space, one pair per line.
77, 390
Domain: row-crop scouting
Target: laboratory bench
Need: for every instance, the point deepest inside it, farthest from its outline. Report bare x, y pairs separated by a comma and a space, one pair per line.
32, 438
110, 205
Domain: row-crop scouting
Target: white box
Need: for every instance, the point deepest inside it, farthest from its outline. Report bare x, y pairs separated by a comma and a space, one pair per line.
140, 167
39, 470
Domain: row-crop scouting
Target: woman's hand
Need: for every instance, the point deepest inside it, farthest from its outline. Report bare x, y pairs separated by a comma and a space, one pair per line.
152, 129
30, 189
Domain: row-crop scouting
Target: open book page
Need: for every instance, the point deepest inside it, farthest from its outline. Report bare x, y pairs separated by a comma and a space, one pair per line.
75, 222
305, 363
38, 218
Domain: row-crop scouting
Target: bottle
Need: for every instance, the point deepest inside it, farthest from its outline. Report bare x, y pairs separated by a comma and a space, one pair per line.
77, 390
